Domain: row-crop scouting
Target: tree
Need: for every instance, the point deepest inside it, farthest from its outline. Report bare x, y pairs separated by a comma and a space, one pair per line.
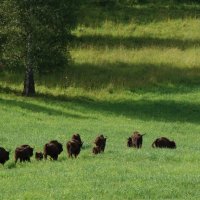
35, 35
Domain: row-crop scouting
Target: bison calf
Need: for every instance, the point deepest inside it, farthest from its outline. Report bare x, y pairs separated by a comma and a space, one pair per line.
52, 149
164, 142
4, 155
100, 142
23, 153
129, 142
38, 156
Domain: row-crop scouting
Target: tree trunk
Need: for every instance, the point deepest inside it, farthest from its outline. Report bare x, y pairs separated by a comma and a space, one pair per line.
29, 84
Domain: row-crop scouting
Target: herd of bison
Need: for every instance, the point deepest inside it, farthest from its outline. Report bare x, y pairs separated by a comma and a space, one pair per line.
54, 148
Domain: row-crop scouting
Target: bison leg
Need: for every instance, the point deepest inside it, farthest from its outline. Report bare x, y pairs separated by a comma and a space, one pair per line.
45, 156
55, 157
16, 159
70, 155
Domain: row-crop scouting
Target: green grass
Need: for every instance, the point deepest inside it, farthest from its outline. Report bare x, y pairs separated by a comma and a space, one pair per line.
120, 173
134, 68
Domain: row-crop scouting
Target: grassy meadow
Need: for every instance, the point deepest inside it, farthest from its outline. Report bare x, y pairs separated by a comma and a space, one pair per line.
133, 68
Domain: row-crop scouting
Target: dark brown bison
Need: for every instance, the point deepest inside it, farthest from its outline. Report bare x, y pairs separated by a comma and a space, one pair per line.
58, 144
23, 153
73, 148
4, 155
164, 142
25, 145
96, 150
135, 140
38, 156
129, 142
100, 142
52, 149
77, 137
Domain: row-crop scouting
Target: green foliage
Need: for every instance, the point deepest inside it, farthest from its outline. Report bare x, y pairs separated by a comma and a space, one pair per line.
48, 22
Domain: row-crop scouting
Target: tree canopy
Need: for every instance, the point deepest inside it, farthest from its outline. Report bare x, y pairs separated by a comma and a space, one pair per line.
35, 34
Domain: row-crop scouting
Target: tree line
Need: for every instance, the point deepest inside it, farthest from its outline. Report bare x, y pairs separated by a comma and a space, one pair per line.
35, 34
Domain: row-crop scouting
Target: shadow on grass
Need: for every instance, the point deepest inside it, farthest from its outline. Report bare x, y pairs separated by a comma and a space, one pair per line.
99, 41
132, 76
141, 13
39, 109
11, 165
157, 110
163, 110
8, 90
165, 78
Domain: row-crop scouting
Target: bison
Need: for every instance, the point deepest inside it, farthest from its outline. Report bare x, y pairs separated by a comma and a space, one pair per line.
77, 137
23, 153
73, 148
96, 150
38, 156
137, 139
52, 149
100, 142
4, 155
58, 144
129, 142
164, 142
